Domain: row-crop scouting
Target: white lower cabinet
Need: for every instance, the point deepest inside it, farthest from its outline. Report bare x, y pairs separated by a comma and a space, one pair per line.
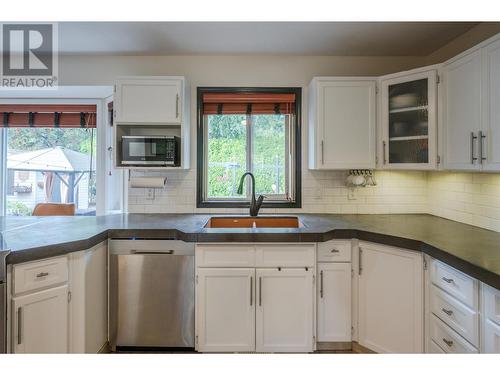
226, 309
334, 302
491, 337
490, 318
40, 322
390, 303
284, 317
259, 307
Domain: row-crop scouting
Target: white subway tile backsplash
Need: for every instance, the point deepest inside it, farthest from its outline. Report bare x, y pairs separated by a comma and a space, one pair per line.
472, 198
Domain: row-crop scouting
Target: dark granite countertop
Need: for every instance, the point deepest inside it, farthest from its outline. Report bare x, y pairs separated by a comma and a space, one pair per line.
473, 250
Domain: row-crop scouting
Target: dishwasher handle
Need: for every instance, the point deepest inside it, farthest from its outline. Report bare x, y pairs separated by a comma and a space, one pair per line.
145, 252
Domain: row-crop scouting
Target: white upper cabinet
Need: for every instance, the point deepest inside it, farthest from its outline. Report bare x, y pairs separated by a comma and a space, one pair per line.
462, 111
408, 120
471, 110
391, 303
342, 121
149, 100
491, 124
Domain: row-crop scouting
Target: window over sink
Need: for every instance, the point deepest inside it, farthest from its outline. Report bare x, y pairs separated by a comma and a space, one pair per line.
248, 130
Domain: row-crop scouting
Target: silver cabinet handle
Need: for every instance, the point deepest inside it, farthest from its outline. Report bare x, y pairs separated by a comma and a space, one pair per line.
251, 290
145, 252
260, 291
321, 284
334, 251
449, 281
42, 274
383, 151
19, 325
176, 105
472, 138
322, 152
448, 342
360, 265
447, 312
481, 137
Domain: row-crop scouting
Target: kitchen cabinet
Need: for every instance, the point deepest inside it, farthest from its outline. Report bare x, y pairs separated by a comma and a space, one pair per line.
490, 320
462, 111
490, 143
225, 309
59, 305
149, 100
390, 299
471, 113
408, 120
255, 297
334, 302
148, 106
284, 315
342, 121
40, 322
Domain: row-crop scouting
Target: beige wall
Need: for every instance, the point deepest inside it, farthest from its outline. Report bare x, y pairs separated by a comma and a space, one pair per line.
467, 40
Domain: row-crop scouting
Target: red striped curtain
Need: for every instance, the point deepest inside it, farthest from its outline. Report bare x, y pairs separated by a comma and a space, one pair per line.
248, 103
48, 115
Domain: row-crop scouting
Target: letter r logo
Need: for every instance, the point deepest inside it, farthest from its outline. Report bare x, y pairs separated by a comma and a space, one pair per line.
27, 49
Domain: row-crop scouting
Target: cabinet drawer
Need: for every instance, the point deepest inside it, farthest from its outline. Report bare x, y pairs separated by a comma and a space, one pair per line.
447, 339
491, 337
39, 275
492, 304
454, 313
285, 255
435, 349
223, 255
462, 287
334, 251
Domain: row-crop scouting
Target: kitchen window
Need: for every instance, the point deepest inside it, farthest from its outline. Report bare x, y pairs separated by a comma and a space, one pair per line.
48, 155
248, 130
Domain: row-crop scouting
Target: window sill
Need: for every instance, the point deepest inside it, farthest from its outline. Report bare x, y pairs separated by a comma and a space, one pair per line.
246, 204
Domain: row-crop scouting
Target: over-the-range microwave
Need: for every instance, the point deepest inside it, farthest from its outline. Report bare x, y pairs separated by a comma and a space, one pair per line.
147, 150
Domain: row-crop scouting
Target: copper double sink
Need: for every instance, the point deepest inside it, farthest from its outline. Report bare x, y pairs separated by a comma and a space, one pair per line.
254, 222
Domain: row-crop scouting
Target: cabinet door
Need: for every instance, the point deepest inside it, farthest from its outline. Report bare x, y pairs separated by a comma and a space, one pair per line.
462, 112
40, 322
491, 340
346, 124
408, 121
148, 101
225, 310
390, 299
284, 317
491, 125
334, 302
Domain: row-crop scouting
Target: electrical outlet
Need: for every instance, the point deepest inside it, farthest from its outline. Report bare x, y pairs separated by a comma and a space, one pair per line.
150, 194
351, 194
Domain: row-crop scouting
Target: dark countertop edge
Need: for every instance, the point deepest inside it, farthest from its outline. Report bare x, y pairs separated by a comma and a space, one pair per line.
37, 253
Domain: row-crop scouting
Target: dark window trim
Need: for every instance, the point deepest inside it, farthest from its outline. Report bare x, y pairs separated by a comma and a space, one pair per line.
200, 203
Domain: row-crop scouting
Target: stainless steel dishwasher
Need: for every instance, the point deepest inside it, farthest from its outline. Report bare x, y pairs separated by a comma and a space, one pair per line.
151, 285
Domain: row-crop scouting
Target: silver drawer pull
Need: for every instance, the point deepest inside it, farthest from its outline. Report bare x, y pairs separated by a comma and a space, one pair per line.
334, 251
449, 281
448, 342
42, 274
447, 312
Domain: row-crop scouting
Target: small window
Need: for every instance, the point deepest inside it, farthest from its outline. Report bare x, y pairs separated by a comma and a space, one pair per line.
248, 130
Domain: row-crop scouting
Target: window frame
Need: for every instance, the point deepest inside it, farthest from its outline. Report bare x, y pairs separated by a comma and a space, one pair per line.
294, 141
93, 95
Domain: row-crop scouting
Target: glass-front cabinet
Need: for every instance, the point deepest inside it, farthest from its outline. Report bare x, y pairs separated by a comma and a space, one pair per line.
408, 121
